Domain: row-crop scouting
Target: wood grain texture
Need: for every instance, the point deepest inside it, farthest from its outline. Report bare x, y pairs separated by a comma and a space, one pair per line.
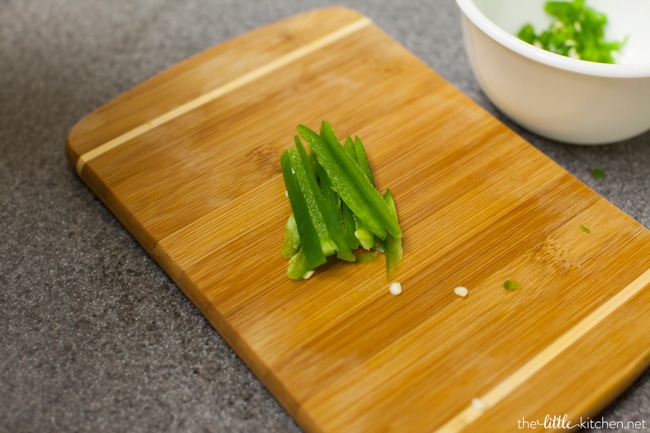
189, 162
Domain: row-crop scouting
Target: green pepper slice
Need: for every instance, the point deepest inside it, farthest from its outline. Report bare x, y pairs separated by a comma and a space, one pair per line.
392, 245
291, 242
349, 181
310, 241
332, 240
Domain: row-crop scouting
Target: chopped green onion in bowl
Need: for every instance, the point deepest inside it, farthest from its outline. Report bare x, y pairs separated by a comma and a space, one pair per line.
577, 31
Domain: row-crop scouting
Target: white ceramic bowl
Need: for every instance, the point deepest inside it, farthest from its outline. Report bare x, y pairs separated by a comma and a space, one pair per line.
561, 98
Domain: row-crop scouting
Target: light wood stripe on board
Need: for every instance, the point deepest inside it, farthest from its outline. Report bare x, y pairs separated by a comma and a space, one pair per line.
224, 89
473, 412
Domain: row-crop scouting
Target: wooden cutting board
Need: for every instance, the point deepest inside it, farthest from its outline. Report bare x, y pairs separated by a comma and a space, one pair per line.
189, 163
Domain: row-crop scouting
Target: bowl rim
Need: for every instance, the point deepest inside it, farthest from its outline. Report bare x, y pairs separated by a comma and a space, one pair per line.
481, 21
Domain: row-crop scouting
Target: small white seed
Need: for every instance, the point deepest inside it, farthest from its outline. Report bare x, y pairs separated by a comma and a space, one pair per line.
478, 403
461, 291
395, 288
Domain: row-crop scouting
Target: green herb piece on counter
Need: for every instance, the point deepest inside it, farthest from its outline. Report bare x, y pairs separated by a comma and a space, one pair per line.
598, 173
511, 285
335, 205
585, 229
576, 31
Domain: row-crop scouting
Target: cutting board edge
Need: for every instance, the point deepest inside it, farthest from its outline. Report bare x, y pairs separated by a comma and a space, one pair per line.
244, 351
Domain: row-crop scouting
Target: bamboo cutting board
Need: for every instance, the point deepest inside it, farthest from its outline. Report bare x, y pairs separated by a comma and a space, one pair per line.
189, 163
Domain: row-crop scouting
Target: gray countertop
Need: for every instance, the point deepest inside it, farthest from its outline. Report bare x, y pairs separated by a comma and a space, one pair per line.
93, 335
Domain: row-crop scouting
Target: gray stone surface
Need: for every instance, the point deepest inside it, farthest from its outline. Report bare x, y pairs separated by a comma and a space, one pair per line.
93, 334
